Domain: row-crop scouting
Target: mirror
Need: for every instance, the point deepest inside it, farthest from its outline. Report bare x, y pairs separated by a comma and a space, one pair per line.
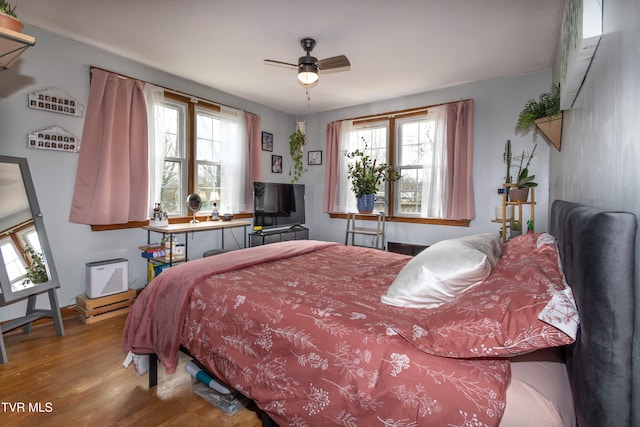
26, 263
194, 204
25, 256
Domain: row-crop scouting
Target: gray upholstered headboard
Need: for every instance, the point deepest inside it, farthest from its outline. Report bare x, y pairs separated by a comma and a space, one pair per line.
597, 248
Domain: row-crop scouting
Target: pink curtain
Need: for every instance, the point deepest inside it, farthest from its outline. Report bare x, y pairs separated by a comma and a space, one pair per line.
254, 137
112, 174
459, 199
331, 179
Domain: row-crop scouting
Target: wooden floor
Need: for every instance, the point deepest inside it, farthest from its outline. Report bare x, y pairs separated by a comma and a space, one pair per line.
78, 380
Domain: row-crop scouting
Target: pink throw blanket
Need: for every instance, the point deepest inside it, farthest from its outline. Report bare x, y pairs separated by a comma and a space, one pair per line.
154, 324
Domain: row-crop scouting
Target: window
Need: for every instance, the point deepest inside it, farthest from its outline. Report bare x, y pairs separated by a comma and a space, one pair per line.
171, 131
421, 163
373, 140
204, 153
432, 185
15, 259
15, 264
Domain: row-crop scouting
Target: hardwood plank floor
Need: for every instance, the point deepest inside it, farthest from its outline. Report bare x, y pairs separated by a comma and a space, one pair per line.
78, 379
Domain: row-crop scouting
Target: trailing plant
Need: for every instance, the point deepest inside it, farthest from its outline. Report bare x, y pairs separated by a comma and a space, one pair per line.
37, 271
365, 174
7, 9
547, 105
296, 144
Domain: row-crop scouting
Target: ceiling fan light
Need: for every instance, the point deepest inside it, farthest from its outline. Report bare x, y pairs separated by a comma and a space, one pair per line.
308, 74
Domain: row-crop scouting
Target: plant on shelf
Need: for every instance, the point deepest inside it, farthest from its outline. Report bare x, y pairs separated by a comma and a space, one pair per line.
37, 271
296, 150
516, 228
365, 176
8, 17
520, 192
547, 105
7, 9
524, 179
506, 157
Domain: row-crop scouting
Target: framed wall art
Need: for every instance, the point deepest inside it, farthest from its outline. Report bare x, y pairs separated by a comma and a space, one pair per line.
315, 158
54, 138
276, 164
55, 100
580, 34
267, 141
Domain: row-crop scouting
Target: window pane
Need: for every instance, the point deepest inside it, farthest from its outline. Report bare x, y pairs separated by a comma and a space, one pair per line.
13, 262
168, 127
33, 241
374, 142
410, 186
208, 137
209, 185
171, 193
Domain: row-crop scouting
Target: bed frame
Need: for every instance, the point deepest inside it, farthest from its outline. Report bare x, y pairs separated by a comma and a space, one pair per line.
597, 248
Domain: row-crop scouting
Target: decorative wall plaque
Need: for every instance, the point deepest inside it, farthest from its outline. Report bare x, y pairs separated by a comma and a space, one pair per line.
54, 138
55, 100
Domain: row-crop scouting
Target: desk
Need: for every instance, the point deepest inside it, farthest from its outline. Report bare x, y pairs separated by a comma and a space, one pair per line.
187, 227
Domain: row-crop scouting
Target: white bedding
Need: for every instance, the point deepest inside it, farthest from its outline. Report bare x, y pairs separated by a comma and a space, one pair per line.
539, 395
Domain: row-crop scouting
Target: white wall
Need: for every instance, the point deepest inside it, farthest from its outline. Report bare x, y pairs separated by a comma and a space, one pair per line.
59, 62
497, 104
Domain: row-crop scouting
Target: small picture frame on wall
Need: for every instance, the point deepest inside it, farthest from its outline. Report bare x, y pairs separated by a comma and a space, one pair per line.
276, 164
314, 158
267, 141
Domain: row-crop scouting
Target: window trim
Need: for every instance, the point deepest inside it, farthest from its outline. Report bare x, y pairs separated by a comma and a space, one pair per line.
391, 116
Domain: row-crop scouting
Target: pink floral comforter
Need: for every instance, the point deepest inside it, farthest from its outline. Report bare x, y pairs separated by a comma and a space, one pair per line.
307, 338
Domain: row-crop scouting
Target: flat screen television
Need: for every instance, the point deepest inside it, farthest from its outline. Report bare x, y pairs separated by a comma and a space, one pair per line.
278, 205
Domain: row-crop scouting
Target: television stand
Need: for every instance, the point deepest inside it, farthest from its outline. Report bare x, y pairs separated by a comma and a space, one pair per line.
264, 237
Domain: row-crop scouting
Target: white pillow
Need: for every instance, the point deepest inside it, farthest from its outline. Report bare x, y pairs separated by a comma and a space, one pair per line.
443, 270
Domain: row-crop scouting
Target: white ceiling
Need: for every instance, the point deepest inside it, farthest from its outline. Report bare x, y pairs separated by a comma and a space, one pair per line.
396, 48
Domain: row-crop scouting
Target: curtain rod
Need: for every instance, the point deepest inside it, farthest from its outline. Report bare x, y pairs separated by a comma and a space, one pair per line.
392, 114
175, 92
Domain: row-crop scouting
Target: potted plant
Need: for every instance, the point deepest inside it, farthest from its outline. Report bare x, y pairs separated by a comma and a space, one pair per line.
520, 192
8, 17
296, 150
547, 106
516, 228
365, 175
37, 271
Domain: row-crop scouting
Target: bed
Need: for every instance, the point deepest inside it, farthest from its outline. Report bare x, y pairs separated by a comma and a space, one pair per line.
318, 333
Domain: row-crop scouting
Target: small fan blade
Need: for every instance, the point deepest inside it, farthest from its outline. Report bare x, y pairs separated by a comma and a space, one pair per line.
339, 61
280, 64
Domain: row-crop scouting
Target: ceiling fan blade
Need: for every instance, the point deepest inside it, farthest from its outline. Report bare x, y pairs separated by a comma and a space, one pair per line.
339, 61
280, 64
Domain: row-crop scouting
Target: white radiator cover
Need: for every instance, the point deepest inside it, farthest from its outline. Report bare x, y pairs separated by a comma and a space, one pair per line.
107, 277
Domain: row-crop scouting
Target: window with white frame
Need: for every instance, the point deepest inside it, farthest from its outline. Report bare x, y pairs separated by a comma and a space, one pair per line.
204, 154
13, 261
416, 148
420, 147
170, 122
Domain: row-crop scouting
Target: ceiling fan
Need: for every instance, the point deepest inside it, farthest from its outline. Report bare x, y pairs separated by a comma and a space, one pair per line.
309, 66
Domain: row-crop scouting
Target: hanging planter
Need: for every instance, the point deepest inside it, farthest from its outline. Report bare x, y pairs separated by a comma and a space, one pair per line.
297, 140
